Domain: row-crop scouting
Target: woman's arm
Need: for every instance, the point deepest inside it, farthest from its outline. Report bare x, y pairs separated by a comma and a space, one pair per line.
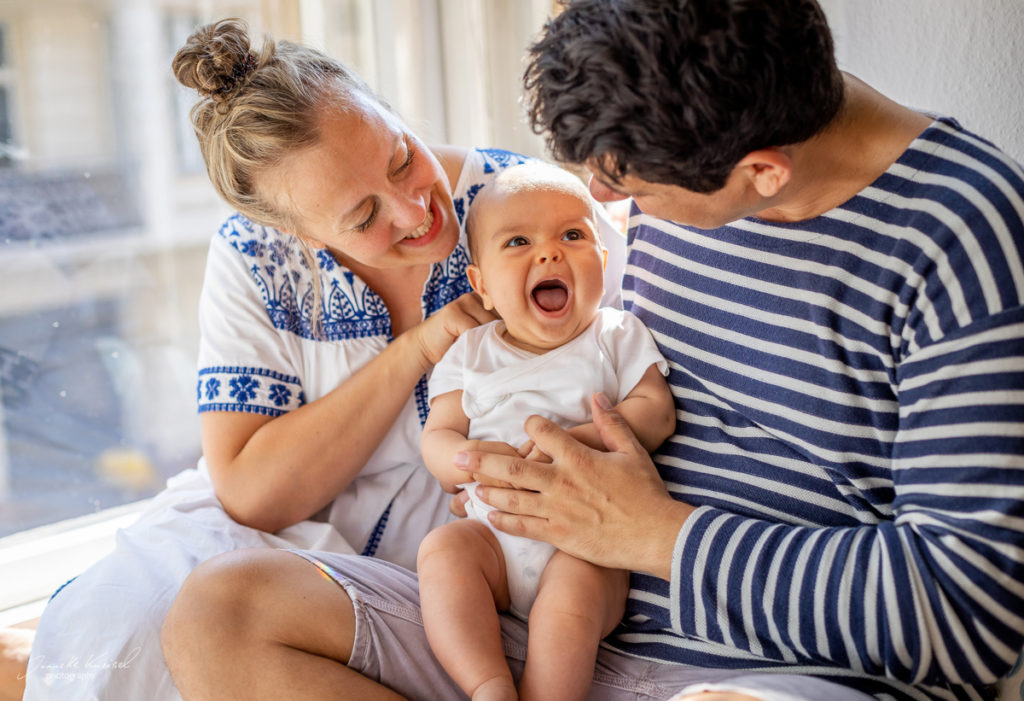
270, 473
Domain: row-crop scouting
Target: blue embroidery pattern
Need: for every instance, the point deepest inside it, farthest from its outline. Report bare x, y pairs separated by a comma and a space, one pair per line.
373, 542
212, 388
447, 281
243, 388
325, 259
253, 390
499, 159
349, 309
279, 394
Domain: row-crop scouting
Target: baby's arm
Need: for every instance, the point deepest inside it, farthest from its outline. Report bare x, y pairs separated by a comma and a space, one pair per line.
649, 409
444, 435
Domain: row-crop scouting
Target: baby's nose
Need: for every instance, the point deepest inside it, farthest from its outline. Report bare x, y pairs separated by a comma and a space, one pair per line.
549, 254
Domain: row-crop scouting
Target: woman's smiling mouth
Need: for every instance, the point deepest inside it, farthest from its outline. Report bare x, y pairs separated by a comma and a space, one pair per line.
426, 233
423, 228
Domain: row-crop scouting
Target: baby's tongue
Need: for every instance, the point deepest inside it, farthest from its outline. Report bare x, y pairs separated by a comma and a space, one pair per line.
551, 299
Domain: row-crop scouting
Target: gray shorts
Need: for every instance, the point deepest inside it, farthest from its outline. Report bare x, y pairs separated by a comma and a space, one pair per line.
391, 648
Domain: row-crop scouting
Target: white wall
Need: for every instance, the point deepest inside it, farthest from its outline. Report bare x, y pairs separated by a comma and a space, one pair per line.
962, 58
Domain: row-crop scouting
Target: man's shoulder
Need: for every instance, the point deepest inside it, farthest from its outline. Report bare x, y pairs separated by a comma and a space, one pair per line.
949, 157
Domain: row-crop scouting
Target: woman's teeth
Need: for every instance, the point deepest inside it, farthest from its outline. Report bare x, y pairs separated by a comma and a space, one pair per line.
424, 227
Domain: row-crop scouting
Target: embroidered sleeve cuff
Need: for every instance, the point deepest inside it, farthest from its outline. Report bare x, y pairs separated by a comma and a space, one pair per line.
252, 390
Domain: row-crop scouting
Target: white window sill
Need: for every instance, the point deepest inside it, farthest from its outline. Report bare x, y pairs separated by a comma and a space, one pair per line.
38, 561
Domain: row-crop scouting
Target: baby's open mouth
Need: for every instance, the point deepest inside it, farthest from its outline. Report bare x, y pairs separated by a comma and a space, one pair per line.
550, 295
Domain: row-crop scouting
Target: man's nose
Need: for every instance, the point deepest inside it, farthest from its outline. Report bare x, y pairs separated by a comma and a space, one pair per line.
603, 193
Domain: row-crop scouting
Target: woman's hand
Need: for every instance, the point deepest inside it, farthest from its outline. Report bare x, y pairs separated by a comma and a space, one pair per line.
609, 508
436, 335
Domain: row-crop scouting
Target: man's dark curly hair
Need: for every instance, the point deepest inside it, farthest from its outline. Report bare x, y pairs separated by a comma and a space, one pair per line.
678, 91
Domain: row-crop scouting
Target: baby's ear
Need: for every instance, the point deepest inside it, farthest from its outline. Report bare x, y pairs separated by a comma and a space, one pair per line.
476, 281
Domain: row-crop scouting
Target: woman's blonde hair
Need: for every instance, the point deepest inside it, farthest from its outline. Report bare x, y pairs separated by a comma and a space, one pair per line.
257, 106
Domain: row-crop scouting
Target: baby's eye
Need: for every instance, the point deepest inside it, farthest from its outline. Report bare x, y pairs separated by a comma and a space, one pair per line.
573, 235
517, 241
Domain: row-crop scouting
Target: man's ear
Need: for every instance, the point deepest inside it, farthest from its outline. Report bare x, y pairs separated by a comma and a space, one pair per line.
768, 169
476, 281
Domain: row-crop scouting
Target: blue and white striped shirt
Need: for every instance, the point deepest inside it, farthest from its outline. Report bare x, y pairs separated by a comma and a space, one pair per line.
850, 403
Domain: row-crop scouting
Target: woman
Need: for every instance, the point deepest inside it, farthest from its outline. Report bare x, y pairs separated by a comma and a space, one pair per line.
318, 324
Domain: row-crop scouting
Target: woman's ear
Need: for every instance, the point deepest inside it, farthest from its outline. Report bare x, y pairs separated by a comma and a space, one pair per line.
768, 170
476, 281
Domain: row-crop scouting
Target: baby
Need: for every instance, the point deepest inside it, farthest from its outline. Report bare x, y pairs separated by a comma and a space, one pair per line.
539, 263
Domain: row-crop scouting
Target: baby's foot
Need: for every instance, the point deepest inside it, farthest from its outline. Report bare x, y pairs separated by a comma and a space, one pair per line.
496, 689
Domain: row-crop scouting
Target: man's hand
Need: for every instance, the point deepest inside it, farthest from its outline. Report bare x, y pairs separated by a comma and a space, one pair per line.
530, 451
457, 505
494, 448
610, 508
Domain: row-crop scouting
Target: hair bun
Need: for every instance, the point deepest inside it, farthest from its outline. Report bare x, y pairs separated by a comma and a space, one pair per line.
216, 60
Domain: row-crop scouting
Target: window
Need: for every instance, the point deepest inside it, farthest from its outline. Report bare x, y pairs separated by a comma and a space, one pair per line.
7, 147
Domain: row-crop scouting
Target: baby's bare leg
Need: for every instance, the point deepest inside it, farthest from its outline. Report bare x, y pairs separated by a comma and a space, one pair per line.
462, 584
577, 605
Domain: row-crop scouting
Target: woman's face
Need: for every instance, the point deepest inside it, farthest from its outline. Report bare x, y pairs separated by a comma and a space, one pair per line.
369, 191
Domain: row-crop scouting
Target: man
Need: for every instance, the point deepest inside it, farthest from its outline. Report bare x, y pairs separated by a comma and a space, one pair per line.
837, 282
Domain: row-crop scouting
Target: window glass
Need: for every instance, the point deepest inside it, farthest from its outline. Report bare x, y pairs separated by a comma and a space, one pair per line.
97, 305
105, 215
5, 123
6, 131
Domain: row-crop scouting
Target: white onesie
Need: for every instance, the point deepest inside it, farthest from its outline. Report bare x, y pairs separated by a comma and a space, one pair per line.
503, 385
